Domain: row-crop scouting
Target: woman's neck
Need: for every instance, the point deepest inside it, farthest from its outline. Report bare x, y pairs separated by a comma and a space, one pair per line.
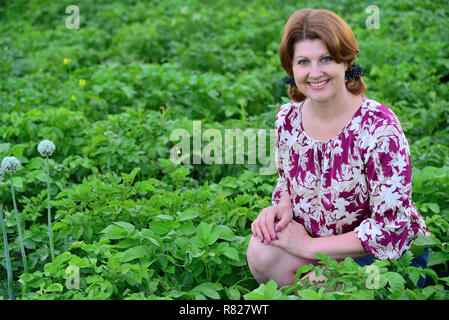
334, 108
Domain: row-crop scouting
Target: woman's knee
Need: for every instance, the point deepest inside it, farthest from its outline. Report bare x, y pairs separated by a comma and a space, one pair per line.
261, 255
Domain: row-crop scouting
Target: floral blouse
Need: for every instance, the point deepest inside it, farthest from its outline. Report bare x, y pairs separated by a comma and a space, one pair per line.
360, 180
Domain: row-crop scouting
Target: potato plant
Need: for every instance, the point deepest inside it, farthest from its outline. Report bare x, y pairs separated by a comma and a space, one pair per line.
109, 216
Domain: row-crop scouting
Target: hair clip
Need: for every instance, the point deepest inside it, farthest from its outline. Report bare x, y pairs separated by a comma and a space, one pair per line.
355, 72
290, 81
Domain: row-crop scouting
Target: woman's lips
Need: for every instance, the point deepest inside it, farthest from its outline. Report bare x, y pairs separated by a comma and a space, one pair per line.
315, 87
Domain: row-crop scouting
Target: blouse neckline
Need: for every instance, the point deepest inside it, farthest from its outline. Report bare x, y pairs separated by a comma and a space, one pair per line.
355, 115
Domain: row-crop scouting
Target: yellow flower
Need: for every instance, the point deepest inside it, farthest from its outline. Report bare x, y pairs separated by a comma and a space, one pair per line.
66, 60
82, 82
73, 98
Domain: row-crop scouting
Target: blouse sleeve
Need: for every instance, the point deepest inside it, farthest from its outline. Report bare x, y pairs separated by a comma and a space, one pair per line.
281, 185
388, 232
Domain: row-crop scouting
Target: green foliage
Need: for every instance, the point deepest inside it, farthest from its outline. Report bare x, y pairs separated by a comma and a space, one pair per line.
131, 224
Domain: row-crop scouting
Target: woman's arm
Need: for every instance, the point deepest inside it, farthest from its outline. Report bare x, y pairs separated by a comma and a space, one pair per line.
285, 200
337, 247
295, 239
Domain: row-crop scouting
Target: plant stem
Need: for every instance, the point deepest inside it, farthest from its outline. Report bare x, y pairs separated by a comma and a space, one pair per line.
19, 229
7, 258
50, 229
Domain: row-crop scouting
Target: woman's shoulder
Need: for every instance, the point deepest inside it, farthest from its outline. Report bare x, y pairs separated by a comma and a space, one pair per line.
286, 113
378, 116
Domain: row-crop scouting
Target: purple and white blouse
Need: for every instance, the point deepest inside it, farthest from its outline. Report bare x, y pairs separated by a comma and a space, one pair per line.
360, 180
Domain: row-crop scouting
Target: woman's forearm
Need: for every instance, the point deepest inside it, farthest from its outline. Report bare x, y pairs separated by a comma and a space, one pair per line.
337, 247
285, 199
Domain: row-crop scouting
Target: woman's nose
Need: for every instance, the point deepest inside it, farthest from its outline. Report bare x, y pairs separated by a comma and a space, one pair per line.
315, 72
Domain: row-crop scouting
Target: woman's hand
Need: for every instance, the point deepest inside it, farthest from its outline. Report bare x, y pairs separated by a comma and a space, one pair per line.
270, 220
295, 240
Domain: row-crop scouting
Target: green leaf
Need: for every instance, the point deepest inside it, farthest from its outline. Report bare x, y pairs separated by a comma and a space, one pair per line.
125, 225
147, 234
309, 294
205, 236
129, 178
188, 214
270, 289
413, 273
257, 294
114, 232
225, 233
208, 289
17, 150
159, 227
437, 257
134, 253
231, 253
303, 269
127, 243
426, 241
33, 280
406, 259
363, 295
4, 148
428, 291
55, 287
233, 293
396, 281
430, 272
445, 279
254, 295
18, 183
434, 207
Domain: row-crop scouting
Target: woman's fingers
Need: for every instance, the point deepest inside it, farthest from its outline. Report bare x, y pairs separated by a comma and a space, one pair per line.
256, 229
284, 216
267, 224
265, 228
283, 222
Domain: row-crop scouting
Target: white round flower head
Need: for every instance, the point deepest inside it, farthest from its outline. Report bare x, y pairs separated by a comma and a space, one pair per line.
1, 174
46, 148
10, 164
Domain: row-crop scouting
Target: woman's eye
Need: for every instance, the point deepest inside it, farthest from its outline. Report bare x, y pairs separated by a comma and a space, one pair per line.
325, 59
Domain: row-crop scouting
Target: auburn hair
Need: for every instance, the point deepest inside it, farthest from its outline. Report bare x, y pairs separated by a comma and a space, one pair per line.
309, 24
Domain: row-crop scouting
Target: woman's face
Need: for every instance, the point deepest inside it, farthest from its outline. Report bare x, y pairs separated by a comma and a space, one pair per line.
316, 74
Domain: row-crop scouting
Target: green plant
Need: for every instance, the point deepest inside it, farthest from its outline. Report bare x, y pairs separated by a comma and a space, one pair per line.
46, 149
7, 257
10, 165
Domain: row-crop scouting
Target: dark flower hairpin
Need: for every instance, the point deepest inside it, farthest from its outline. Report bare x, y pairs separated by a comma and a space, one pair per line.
355, 72
290, 81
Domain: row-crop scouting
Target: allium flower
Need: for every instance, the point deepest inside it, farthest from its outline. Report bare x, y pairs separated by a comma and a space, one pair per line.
10, 164
46, 148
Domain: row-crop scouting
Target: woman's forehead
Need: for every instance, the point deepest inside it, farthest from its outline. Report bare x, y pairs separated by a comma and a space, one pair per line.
310, 48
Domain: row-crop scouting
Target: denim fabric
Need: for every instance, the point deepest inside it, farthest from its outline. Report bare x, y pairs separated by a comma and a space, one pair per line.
419, 262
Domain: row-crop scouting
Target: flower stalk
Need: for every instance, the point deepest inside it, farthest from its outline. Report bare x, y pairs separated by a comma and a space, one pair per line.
46, 149
10, 165
50, 227
7, 258
19, 228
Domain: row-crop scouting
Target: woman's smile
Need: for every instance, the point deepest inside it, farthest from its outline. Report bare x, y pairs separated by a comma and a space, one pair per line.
318, 85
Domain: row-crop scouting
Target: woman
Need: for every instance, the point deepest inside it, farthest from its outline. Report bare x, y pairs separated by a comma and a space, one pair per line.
344, 186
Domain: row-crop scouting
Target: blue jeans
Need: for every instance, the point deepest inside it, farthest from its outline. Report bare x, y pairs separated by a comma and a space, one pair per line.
419, 262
